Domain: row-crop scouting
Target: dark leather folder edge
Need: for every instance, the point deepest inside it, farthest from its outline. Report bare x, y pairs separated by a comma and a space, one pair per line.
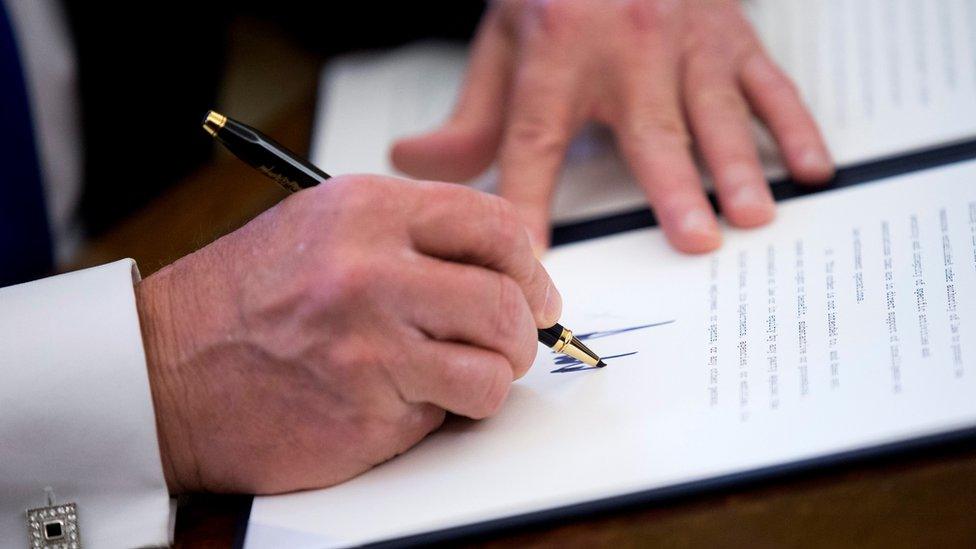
782, 190
953, 440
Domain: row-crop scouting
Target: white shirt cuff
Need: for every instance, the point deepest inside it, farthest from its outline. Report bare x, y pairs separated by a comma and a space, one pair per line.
76, 411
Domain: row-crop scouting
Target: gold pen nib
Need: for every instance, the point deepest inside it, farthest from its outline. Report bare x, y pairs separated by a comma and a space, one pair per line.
576, 349
562, 340
214, 122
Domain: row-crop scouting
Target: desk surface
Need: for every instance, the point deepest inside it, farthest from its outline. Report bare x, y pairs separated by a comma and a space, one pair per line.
909, 500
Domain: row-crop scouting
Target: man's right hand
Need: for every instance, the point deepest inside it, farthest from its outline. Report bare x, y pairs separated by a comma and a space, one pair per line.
332, 332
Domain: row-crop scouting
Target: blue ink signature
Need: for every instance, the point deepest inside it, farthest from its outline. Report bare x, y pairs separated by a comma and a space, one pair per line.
570, 364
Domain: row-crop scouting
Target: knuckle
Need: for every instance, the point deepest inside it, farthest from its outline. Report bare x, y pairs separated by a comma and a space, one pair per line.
508, 230
526, 351
778, 85
347, 283
347, 193
376, 432
352, 279
346, 182
557, 17
650, 15
706, 58
509, 312
358, 194
538, 134
460, 375
346, 359
416, 421
439, 201
716, 98
500, 228
498, 224
496, 387
350, 185
652, 129
448, 196
676, 200
431, 419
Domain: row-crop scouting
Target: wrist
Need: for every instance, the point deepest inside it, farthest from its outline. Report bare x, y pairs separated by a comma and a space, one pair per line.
160, 341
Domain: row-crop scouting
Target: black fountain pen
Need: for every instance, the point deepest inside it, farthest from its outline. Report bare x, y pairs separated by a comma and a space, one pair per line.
294, 174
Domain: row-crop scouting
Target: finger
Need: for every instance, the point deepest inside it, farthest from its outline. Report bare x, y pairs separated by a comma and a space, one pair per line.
775, 99
466, 144
720, 122
542, 117
652, 136
473, 305
467, 226
465, 380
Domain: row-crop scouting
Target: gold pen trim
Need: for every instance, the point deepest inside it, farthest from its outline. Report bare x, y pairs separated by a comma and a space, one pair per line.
580, 352
570, 345
564, 339
214, 122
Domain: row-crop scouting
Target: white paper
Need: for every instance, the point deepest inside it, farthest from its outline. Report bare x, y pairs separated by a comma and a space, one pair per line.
881, 77
848, 323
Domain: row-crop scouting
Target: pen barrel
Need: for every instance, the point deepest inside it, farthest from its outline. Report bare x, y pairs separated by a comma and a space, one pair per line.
550, 336
269, 157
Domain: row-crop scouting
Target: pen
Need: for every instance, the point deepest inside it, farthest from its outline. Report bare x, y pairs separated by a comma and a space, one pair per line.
294, 174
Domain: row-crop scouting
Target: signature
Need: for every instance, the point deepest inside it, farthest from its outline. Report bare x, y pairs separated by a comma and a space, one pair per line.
569, 364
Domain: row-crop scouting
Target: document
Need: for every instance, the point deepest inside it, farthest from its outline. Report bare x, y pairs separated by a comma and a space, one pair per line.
848, 323
881, 77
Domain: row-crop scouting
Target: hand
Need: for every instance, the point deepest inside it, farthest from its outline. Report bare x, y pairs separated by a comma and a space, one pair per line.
332, 332
661, 73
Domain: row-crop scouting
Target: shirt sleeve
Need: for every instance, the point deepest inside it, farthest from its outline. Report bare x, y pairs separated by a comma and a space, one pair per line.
76, 411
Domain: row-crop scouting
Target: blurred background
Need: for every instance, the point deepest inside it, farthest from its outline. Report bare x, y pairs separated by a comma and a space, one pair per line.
171, 191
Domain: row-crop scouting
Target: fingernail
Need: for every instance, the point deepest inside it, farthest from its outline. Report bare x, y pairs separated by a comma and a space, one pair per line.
699, 222
814, 159
753, 202
553, 307
538, 249
697, 232
748, 201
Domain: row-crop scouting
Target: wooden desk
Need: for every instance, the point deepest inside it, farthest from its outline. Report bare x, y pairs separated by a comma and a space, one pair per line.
921, 499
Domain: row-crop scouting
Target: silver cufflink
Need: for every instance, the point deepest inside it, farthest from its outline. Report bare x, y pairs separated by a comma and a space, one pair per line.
54, 526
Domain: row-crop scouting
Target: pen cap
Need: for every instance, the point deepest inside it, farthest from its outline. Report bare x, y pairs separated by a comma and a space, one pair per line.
263, 153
